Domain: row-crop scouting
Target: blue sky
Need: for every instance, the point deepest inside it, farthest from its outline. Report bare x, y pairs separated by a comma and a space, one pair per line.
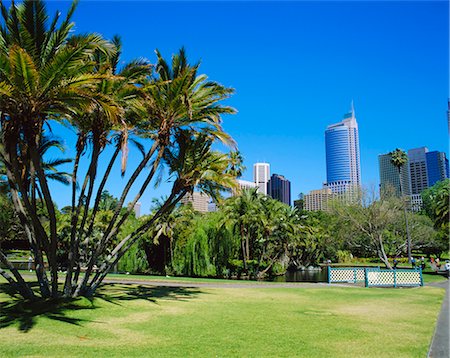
296, 66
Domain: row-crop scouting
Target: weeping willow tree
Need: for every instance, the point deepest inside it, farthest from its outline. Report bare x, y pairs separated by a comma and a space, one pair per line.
204, 247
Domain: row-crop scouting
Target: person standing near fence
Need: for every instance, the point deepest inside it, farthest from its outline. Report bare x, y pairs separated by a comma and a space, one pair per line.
422, 262
30, 263
413, 262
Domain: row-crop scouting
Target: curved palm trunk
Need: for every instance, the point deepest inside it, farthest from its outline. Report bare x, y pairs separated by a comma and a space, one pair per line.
52, 218
73, 251
30, 222
130, 240
100, 190
20, 283
111, 231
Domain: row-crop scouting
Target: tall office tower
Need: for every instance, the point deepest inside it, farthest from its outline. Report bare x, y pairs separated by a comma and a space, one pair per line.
437, 167
342, 155
261, 175
418, 169
389, 177
279, 188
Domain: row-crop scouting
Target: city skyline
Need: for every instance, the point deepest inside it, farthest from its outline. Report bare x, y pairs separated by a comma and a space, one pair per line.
396, 72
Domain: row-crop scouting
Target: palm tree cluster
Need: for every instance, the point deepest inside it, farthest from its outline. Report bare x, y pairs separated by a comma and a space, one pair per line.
50, 76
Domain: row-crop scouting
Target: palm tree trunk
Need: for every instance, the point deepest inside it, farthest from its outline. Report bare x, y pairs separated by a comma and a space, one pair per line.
20, 283
111, 231
73, 249
100, 190
130, 240
52, 217
408, 236
34, 230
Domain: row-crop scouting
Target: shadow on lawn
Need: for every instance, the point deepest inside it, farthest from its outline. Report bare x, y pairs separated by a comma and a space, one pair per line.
116, 292
25, 313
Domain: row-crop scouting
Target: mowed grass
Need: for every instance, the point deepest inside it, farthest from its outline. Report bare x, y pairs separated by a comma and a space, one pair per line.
145, 321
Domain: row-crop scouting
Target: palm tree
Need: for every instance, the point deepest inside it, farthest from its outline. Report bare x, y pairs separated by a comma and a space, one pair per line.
44, 74
177, 100
192, 164
240, 214
236, 164
399, 159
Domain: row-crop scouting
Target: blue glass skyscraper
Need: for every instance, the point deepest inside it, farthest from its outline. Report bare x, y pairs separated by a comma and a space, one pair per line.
342, 155
437, 167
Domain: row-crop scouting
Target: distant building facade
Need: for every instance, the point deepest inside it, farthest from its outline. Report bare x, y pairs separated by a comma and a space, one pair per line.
437, 167
318, 200
389, 178
426, 168
199, 201
279, 188
137, 209
261, 176
416, 202
418, 169
343, 156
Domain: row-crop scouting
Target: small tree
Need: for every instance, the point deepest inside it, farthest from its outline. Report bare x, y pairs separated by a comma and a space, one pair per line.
369, 218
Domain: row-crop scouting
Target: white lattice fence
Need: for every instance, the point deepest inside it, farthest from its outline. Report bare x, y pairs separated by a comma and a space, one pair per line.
347, 274
375, 276
394, 278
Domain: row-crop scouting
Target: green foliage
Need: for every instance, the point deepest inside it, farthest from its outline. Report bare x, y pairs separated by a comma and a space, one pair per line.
133, 261
344, 256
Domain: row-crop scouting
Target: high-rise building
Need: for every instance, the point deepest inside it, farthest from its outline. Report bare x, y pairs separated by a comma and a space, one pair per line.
342, 155
261, 175
426, 168
389, 178
279, 188
318, 200
437, 167
418, 169
198, 200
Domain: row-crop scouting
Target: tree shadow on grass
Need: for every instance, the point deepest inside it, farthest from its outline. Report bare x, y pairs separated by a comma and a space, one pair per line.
25, 313
115, 293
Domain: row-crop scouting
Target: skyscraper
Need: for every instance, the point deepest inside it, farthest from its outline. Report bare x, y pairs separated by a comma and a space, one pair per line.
261, 175
279, 188
342, 155
418, 169
389, 176
437, 167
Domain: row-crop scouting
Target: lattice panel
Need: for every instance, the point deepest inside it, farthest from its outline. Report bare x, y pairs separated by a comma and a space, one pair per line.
346, 275
394, 278
380, 278
408, 278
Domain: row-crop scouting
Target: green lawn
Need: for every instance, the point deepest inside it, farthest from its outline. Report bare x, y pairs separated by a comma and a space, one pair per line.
131, 320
